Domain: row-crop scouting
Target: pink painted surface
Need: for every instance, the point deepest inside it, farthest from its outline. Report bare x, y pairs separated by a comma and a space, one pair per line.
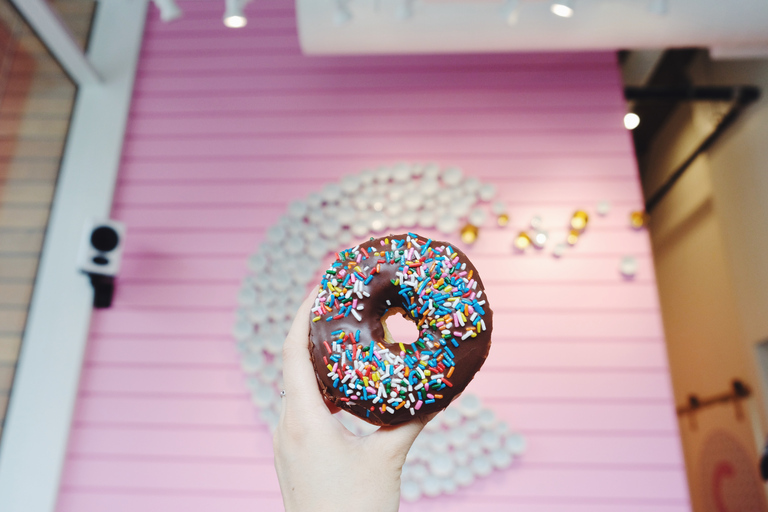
228, 126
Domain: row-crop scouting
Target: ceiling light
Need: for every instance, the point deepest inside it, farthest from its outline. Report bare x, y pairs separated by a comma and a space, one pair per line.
512, 12
631, 121
563, 8
233, 13
169, 11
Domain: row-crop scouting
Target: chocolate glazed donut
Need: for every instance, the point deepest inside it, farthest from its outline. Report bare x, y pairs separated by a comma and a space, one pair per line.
359, 367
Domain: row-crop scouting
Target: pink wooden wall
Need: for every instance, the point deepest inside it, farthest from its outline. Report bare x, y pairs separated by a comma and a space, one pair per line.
227, 126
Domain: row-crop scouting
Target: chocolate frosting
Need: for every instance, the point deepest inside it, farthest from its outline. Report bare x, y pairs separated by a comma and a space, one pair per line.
439, 365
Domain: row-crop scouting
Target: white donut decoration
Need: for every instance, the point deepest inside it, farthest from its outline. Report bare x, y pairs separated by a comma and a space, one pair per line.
461, 444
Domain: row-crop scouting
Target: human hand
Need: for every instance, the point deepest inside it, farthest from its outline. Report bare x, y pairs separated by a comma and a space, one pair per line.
321, 466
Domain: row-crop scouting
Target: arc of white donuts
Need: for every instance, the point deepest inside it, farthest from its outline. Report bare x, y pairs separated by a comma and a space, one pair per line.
463, 443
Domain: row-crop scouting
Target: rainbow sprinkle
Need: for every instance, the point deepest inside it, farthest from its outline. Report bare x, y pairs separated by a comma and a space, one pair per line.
437, 292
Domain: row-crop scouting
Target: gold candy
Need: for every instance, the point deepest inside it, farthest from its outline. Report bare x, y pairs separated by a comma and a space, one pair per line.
523, 241
573, 237
638, 219
469, 234
503, 219
579, 220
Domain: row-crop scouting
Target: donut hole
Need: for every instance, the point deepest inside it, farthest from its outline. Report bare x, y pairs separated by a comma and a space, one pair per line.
398, 328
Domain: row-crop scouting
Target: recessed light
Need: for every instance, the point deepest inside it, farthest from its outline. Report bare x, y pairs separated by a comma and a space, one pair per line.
562, 8
631, 121
235, 21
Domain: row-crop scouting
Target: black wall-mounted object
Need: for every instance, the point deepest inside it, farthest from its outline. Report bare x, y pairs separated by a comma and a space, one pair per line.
739, 391
100, 255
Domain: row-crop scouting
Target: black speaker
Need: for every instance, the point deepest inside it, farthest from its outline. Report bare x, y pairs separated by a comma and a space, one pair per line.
101, 250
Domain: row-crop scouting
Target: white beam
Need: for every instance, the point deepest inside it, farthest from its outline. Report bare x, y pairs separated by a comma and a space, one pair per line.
36, 432
375, 27
56, 36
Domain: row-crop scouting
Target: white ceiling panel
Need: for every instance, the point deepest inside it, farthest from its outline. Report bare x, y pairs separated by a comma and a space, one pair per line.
730, 27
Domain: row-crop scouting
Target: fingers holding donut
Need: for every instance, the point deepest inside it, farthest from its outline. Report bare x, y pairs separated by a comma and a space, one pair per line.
299, 380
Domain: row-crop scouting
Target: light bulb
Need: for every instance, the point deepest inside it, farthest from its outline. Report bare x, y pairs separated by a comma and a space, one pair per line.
631, 121
235, 21
562, 8
233, 13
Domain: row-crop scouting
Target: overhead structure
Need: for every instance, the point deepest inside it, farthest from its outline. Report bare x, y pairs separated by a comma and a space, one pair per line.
451, 26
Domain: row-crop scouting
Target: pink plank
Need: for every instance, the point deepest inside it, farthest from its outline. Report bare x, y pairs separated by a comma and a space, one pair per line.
221, 41
223, 415
497, 170
589, 418
574, 191
511, 297
174, 296
236, 445
159, 267
189, 62
567, 354
550, 124
171, 59
272, 63
258, 478
153, 266
130, 501
93, 500
533, 383
606, 324
235, 79
162, 218
158, 351
353, 144
585, 98
157, 475
492, 252
506, 353
566, 383
138, 442
173, 412
562, 449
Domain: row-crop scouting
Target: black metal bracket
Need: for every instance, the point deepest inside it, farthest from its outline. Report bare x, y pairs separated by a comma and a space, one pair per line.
103, 290
738, 392
741, 96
